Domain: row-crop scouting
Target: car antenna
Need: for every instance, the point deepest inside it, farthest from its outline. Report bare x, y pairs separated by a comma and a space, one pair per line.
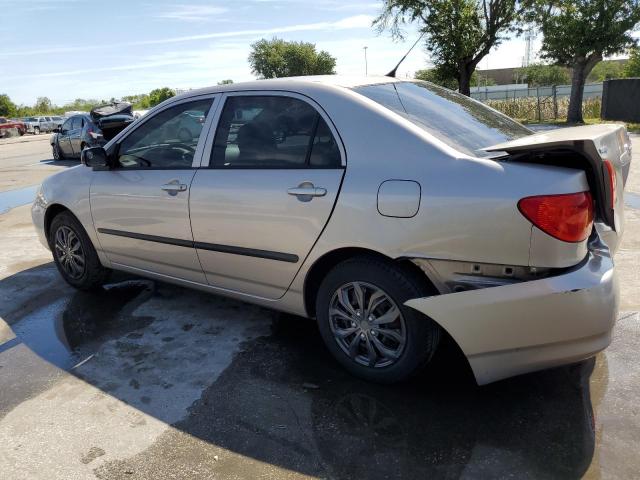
392, 73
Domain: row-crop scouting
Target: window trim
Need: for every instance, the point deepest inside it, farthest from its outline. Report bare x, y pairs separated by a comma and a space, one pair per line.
208, 147
197, 156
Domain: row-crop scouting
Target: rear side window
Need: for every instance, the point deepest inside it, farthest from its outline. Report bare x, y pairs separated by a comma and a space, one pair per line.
166, 140
455, 119
273, 132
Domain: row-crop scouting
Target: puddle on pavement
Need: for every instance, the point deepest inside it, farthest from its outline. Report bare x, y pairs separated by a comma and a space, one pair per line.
287, 404
632, 200
68, 331
16, 198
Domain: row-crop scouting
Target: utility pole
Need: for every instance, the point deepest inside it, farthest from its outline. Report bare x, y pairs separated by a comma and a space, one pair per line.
366, 66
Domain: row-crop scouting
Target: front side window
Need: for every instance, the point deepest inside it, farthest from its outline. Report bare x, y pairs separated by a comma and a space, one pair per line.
76, 123
273, 132
457, 120
166, 140
66, 126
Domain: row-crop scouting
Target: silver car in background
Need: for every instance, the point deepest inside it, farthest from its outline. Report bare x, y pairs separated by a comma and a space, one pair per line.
393, 212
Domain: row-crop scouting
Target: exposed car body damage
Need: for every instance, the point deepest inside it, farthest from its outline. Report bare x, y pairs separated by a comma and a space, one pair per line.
517, 328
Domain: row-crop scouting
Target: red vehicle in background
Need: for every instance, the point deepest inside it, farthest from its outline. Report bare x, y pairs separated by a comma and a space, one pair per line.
8, 126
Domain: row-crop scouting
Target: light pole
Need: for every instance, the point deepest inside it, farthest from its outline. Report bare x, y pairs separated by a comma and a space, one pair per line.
366, 67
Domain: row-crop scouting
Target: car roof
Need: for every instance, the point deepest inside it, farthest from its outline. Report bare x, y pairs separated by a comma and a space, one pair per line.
294, 83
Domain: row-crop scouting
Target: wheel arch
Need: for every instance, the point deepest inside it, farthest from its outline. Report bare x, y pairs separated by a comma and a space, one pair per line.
53, 211
323, 265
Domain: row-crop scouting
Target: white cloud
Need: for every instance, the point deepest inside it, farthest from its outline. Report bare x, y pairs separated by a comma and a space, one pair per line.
191, 13
355, 21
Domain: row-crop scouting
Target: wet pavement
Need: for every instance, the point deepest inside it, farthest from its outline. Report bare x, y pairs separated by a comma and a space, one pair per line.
146, 380
15, 198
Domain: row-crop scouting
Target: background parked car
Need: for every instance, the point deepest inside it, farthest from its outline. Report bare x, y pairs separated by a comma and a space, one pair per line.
6, 126
81, 131
57, 121
37, 125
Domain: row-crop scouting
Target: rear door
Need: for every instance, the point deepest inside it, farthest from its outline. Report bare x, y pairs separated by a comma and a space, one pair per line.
141, 208
267, 191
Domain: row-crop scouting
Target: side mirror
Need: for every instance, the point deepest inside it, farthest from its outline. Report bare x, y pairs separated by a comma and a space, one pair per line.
56, 130
95, 157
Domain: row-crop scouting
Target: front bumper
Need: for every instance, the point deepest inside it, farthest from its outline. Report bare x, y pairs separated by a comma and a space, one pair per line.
38, 210
519, 328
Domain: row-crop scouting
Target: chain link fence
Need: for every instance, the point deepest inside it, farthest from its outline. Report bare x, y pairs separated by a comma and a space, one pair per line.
539, 104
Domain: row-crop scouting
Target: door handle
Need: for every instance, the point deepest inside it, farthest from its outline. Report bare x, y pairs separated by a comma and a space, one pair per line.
174, 187
307, 191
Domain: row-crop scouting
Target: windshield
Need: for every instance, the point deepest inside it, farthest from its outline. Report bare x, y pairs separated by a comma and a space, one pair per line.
457, 120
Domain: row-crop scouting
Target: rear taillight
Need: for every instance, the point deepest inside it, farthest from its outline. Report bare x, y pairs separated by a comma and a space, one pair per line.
567, 217
612, 181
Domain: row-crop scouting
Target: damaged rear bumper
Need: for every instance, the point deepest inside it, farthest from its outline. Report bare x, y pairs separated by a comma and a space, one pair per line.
523, 327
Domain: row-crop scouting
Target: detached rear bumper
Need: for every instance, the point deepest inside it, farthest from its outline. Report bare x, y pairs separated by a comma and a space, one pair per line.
514, 329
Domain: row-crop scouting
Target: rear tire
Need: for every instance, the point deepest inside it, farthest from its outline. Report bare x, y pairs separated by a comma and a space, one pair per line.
370, 331
74, 254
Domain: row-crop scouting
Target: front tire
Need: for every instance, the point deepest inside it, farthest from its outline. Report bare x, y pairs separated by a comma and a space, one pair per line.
57, 153
74, 255
36, 130
365, 324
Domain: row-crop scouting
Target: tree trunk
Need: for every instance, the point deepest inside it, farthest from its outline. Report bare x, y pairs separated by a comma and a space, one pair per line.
464, 80
581, 70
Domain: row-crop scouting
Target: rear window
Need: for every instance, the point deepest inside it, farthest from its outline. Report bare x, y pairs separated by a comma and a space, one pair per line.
455, 119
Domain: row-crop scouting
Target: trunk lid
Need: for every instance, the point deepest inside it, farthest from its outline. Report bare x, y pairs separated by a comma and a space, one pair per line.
586, 148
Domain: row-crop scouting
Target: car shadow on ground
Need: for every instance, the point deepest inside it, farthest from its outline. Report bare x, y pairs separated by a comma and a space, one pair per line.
285, 402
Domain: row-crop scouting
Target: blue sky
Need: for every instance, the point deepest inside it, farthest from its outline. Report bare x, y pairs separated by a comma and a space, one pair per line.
67, 49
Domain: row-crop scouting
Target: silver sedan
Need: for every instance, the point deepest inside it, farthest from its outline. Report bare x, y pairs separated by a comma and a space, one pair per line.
392, 212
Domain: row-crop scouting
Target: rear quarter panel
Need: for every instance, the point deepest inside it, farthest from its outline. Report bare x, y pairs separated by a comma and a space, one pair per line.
468, 206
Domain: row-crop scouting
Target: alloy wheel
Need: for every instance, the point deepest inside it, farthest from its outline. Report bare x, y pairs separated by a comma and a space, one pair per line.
367, 324
69, 252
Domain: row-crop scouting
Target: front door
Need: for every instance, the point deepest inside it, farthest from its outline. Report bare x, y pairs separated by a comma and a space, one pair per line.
63, 138
141, 208
274, 176
75, 134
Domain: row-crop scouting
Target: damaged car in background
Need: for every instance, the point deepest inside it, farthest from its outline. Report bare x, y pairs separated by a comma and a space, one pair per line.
90, 130
393, 212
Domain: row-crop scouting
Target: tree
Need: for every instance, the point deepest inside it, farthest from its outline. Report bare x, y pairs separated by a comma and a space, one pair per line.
606, 70
7, 107
632, 68
159, 95
539, 74
580, 33
434, 75
277, 58
43, 105
459, 33
228, 81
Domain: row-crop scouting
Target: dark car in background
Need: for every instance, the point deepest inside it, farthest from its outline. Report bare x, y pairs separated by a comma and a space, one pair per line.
93, 129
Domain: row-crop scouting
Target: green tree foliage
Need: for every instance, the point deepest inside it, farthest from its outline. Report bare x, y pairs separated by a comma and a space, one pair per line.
227, 81
43, 105
159, 95
632, 67
434, 75
277, 58
540, 75
459, 33
605, 70
579, 33
7, 107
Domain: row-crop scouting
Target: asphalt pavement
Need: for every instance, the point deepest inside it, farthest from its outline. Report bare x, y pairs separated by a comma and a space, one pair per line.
148, 380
